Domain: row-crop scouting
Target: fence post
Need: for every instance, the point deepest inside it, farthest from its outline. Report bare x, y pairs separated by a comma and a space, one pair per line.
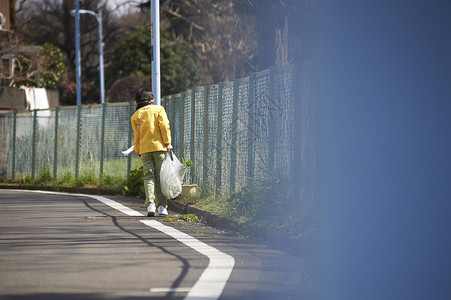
271, 119
77, 142
250, 130
14, 145
182, 124
130, 133
205, 156
33, 145
102, 140
219, 140
172, 122
193, 123
55, 146
234, 136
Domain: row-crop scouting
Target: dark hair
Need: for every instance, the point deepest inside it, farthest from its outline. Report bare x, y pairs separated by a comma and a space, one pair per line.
144, 94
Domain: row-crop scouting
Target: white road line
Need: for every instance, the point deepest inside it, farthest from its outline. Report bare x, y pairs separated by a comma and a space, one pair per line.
212, 281
170, 290
210, 284
109, 202
117, 206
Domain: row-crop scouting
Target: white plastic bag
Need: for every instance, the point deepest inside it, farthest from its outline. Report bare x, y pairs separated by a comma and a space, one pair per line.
171, 176
128, 151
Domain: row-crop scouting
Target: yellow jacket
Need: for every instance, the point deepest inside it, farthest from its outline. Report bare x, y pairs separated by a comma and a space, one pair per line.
151, 128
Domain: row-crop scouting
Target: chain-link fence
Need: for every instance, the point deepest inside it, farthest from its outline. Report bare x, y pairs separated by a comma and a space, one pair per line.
67, 139
231, 131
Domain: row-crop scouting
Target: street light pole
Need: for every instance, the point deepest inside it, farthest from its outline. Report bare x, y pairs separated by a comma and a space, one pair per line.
155, 20
99, 35
102, 79
77, 50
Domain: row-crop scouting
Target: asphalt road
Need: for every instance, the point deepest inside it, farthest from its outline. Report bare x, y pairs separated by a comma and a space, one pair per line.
66, 246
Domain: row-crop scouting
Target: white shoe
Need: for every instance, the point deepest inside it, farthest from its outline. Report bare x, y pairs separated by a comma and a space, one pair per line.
162, 211
151, 210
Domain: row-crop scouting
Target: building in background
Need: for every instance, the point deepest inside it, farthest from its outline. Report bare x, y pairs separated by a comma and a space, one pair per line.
5, 22
26, 98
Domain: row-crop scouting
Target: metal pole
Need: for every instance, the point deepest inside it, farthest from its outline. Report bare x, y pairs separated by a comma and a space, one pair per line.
193, 131
77, 142
33, 146
131, 107
233, 146
205, 150
181, 151
55, 144
14, 145
102, 141
99, 35
250, 130
271, 119
102, 78
77, 51
155, 20
219, 135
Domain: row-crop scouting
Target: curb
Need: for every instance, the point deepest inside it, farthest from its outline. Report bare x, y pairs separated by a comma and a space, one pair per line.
282, 241
209, 217
73, 190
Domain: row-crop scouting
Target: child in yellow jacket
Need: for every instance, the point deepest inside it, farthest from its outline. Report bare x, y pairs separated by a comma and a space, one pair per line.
152, 140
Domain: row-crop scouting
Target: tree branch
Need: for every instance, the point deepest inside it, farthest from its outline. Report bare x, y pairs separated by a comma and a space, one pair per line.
176, 14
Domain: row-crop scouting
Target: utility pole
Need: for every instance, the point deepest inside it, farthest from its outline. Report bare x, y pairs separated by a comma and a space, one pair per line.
155, 21
77, 51
99, 35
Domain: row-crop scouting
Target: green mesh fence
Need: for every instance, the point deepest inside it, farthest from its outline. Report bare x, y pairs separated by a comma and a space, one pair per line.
90, 137
67, 140
23, 144
243, 133
186, 128
45, 136
260, 120
199, 134
176, 129
119, 136
212, 131
6, 147
232, 132
224, 136
283, 108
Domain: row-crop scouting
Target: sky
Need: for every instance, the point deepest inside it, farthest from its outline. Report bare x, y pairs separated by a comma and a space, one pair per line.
126, 6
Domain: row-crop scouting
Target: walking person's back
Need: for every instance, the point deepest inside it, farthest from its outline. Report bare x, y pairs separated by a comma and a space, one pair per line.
152, 140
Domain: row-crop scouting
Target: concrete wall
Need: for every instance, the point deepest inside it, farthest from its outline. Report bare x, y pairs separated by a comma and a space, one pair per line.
12, 98
53, 97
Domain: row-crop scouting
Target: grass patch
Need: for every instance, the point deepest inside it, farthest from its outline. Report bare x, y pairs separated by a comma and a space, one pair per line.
186, 217
87, 179
267, 202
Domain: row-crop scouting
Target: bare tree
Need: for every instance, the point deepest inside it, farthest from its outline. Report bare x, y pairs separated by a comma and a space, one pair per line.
44, 21
286, 29
223, 37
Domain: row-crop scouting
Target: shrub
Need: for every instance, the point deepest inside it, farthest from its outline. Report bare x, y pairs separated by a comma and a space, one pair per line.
25, 180
135, 183
112, 182
67, 180
43, 177
87, 179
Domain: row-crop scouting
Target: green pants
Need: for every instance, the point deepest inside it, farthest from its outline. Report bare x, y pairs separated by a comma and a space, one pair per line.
151, 166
